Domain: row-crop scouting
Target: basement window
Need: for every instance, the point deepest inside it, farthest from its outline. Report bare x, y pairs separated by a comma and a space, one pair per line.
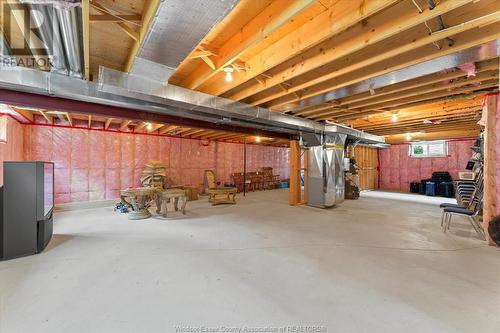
437, 148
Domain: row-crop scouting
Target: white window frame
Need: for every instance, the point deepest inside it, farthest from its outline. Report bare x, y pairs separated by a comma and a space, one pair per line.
4, 127
427, 143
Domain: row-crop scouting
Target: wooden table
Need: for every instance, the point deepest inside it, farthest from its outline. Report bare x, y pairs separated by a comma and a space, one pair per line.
139, 201
228, 195
165, 197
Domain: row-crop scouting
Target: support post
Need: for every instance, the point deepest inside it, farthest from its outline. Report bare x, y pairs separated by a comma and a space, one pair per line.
245, 167
491, 159
295, 167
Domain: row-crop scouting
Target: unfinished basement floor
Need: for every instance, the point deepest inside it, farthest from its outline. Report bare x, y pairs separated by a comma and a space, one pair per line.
378, 264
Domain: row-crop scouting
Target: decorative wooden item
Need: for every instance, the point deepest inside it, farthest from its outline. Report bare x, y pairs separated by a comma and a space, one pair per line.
218, 195
139, 200
165, 197
154, 175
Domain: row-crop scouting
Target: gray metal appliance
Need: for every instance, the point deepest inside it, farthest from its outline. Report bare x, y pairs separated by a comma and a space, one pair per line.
326, 182
27, 198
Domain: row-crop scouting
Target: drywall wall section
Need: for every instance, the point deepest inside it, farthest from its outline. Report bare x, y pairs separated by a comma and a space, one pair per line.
94, 165
11, 142
398, 169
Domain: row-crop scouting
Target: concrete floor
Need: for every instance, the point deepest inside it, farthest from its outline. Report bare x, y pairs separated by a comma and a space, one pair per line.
378, 264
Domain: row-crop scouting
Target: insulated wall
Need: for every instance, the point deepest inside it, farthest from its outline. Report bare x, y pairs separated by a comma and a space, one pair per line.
93, 165
11, 142
367, 162
398, 169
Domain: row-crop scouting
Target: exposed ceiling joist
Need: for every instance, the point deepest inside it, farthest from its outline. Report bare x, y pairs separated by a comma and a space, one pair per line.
331, 81
377, 28
332, 21
107, 18
277, 14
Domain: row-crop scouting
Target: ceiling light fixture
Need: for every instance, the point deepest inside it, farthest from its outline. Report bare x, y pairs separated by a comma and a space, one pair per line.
408, 137
229, 73
257, 139
149, 126
394, 118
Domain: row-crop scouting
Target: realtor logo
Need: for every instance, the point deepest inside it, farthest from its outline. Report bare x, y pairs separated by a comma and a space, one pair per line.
26, 35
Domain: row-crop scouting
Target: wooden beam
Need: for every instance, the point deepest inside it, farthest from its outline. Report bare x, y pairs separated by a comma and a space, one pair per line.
129, 31
277, 14
295, 166
45, 116
140, 126
182, 131
203, 134
485, 76
148, 14
410, 119
70, 119
461, 133
90, 121
450, 125
488, 65
155, 127
209, 62
108, 122
491, 160
167, 129
417, 123
374, 29
25, 113
409, 100
194, 131
125, 125
336, 19
107, 18
86, 38
364, 66
200, 54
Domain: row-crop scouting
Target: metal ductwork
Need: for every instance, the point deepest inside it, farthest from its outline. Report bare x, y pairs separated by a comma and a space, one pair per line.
130, 85
136, 93
59, 25
178, 27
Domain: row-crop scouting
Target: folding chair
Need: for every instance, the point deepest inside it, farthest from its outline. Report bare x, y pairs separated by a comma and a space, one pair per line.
471, 214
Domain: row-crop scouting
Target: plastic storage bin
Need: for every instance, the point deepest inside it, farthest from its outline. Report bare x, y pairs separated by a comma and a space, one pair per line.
430, 189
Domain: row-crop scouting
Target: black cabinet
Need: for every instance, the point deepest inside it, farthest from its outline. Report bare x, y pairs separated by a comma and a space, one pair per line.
27, 198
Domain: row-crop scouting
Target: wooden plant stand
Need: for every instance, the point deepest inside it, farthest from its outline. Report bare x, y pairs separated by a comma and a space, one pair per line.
138, 202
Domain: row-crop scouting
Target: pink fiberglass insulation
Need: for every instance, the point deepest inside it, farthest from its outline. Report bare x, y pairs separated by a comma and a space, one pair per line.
398, 169
95, 165
11, 149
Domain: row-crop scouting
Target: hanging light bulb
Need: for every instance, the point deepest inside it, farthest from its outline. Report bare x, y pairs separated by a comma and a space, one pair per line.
257, 139
229, 73
394, 118
149, 126
408, 137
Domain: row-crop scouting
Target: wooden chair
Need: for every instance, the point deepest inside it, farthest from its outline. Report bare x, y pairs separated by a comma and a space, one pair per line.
218, 195
238, 180
270, 181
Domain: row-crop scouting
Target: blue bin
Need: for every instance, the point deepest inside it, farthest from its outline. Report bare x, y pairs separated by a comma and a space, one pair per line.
284, 184
430, 189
